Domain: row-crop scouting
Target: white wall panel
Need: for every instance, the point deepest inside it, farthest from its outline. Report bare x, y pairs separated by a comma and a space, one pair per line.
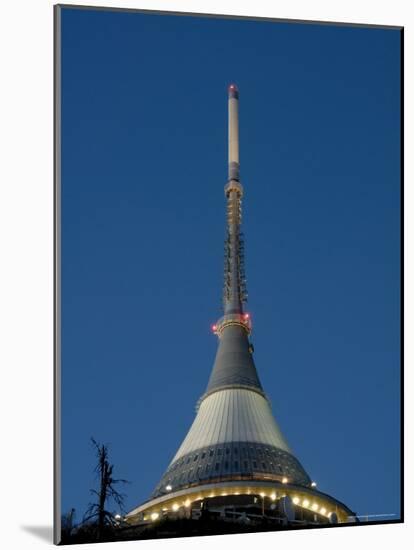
233, 415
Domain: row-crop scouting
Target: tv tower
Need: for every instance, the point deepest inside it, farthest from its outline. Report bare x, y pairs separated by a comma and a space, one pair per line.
234, 461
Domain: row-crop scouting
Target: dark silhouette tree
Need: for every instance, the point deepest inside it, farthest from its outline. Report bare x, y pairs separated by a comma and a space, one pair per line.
97, 511
67, 524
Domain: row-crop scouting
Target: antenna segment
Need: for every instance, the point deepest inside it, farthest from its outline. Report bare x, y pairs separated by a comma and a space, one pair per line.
234, 290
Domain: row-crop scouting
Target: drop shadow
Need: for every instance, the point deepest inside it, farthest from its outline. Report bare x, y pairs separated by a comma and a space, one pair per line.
43, 532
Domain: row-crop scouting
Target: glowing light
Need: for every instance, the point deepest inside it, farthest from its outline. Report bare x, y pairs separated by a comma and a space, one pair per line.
175, 507
212, 494
214, 328
273, 496
154, 516
285, 480
246, 315
313, 484
168, 488
315, 506
323, 510
306, 503
223, 494
117, 517
262, 495
237, 493
187, 503
296, 500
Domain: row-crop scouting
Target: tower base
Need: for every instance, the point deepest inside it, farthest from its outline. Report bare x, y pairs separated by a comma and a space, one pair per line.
245, 502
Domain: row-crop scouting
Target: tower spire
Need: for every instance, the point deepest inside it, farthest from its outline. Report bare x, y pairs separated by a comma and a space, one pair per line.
234, 365
233, 152
234, 291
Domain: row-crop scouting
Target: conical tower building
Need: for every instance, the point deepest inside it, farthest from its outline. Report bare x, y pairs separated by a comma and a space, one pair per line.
234, 459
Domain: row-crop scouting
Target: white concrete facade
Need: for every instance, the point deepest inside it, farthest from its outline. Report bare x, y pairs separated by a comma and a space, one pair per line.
233, 415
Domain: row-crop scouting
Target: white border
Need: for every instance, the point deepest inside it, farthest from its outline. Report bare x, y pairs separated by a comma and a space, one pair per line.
26, 236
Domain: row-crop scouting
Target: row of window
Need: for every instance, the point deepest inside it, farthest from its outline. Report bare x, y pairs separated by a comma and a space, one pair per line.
233, 458
227, 450
203, 471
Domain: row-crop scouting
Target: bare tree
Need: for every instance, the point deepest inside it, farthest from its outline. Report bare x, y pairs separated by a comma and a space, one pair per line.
106, 491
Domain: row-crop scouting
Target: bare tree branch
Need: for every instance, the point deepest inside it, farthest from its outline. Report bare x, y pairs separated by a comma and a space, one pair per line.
106, 491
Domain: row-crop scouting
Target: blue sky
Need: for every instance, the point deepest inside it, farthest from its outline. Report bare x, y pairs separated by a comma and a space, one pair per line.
144, 152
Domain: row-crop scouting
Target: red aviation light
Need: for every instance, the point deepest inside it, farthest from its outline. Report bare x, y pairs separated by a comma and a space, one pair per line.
214, 328
246, 315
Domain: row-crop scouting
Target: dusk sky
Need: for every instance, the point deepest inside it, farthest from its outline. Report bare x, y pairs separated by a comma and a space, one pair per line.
144, 163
